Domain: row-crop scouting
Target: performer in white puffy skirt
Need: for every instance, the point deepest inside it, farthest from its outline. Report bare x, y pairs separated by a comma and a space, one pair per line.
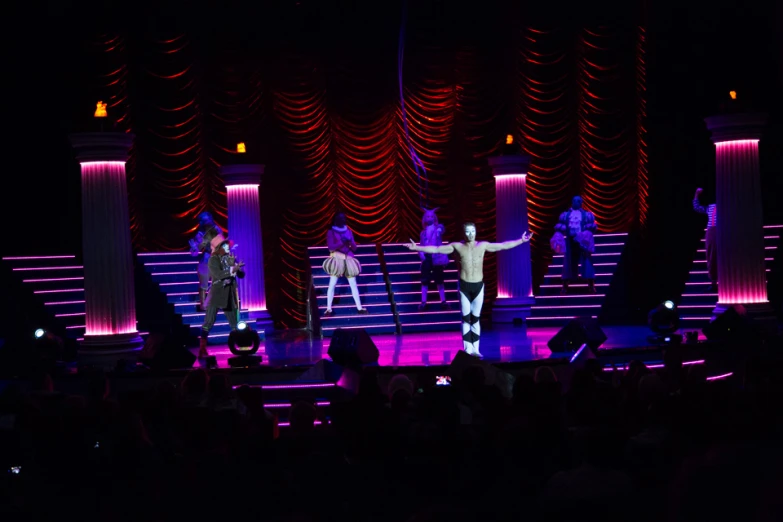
341, 262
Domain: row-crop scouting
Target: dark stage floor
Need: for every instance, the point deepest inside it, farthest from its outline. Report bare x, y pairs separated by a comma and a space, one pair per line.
502, 343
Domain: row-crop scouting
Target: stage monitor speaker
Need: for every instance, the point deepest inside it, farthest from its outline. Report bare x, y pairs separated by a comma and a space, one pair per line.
731, 326
161, 352
352, 348
328, 371
492, 375
579, 331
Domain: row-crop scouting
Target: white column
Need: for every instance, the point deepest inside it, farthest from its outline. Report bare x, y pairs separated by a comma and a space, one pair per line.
740, 221
244, 229
515, 285
109, 292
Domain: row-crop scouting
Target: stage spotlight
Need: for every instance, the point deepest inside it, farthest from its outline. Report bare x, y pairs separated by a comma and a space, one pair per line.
664, 320
40, 332
243, 343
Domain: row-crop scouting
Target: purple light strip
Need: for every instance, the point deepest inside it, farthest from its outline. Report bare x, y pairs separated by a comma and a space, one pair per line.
63, 303
52, 280
565, 306
408, 314
59, 291
596, 275
700, 295
363, 295
297, 386
560, 256
33, 258
172, 273
373, 315
719, 377
773, 226
651, 366
76, 327
431, 324
580, 285
71, 315
695, 318
35, 268
179, 283
183, 293
594, 264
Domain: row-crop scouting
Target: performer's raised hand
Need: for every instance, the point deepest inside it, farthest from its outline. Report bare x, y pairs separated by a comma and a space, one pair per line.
411, 245
699, 191
526, 237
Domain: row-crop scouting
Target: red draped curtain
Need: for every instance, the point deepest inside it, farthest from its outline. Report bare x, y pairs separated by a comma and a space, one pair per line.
329, 129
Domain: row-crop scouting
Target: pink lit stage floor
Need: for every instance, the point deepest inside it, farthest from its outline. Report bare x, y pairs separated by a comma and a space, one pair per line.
502, 343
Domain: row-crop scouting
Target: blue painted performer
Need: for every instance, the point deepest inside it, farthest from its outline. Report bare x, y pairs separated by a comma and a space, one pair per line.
577, 225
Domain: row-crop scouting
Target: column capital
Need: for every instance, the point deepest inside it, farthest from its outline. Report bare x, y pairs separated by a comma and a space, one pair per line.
514, 164
242, 174
736, 126
101, 146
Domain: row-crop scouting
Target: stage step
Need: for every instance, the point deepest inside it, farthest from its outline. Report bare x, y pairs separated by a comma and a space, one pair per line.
372, 290
553, 309
404, 269
175, 273
699, 300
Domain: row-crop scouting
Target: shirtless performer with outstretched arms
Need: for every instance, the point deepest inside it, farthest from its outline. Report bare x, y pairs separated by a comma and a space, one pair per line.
471, 278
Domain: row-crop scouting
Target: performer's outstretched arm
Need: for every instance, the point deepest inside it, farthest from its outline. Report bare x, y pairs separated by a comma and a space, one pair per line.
697, 206
506, 245
442, 249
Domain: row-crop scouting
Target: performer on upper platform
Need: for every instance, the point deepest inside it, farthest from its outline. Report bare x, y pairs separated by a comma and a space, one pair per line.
341, 262
200, 246
432, 265
224, 270
471, 283
577, 226
710, 237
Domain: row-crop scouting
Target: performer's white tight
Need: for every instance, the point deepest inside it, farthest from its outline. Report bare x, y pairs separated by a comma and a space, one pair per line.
472, 311
425, 289
354, 292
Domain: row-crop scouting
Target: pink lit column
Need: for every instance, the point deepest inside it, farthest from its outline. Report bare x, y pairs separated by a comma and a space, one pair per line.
109, 293
515, 288
244, 228
740, 225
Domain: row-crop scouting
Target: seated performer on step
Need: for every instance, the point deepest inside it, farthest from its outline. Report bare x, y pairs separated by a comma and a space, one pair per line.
471, 278
200, 246
578, 226
432, 265
710, 238
341, 262
224, 270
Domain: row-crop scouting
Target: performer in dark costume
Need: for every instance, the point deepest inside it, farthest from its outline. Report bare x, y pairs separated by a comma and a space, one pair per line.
577, 226
200, 246
223, 295
432, 265
471, 284
710, 237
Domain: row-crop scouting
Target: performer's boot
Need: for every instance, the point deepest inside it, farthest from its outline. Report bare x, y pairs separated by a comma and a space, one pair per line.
591, 286
202, 348
202, 294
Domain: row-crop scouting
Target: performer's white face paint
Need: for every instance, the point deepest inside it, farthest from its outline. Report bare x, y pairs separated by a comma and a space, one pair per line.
226, 248
470, 233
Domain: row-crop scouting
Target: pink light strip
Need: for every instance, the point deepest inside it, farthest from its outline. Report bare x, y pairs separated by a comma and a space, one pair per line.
144, 254
503, 177
59, 291
580, 285
173, 273
76, 327
297, 386
63, 303
625, 366
372, 315
31, 269
568, 296
773, 226
558, 317
178, 263
719, 377
184, 293
596, 275
71, 315
33, 258
695, 318
243, 186
432, 324
288, 404
721, 144
53, 280
560, 256
180, 283
566, 306
594, 264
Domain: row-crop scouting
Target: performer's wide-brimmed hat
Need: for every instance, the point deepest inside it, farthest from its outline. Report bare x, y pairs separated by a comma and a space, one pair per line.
217, 242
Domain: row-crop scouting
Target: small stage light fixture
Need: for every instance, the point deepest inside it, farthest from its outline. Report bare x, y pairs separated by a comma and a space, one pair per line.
40, 332
664, 320
244, 343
